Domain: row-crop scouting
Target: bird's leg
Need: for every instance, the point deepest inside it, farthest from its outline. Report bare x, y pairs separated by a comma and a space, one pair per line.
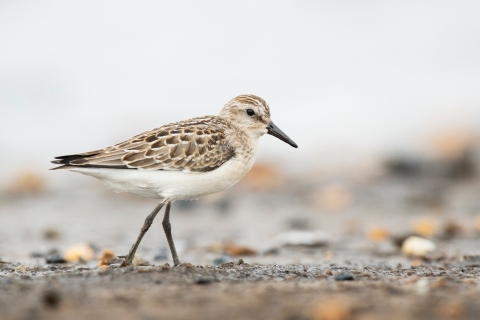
167, 227
146, 225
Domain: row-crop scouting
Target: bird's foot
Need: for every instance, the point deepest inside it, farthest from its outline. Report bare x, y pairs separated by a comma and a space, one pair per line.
126, 262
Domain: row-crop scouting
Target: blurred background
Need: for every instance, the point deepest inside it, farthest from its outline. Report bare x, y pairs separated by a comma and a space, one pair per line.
383, 99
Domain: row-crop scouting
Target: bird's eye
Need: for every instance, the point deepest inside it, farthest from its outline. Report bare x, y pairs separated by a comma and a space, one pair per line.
250, 112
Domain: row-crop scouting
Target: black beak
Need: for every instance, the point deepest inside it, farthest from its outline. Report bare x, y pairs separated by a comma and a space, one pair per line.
276, 132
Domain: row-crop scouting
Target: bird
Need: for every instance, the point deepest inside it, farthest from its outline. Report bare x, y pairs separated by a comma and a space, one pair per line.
183, 160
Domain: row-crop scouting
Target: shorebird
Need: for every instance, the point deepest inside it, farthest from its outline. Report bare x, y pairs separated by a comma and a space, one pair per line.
184, 160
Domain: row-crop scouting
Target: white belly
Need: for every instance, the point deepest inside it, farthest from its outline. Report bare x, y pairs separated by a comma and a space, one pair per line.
174, 185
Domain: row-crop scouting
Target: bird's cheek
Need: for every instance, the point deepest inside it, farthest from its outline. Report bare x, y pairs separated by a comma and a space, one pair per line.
262, 131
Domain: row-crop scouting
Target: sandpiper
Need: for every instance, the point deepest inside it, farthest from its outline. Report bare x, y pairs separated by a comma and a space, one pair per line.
183, 160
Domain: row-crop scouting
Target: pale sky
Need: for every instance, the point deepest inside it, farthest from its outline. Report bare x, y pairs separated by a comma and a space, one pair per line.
369, 76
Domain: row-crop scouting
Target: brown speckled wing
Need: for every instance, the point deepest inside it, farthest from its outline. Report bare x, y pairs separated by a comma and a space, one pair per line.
197, 145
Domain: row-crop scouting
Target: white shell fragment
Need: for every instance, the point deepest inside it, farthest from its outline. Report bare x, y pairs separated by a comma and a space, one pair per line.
417, 247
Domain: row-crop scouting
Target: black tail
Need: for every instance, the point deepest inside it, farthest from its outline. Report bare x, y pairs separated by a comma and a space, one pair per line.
75, 160
65, 160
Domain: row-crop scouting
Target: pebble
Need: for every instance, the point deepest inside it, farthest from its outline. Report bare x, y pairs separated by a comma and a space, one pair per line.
166, 267
51, 234
220, 260
238, 250
417, 247
378, 234
344, 276
425, 227
139, 261
55, 258
227, 265
106, 256
452, 229
36, 255
231, 249
20, 269
79, 252
161, 254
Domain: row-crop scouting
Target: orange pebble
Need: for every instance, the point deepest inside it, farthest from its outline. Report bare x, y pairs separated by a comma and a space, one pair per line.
378, 234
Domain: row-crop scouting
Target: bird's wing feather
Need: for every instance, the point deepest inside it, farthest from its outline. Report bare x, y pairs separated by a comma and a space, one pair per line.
196, 145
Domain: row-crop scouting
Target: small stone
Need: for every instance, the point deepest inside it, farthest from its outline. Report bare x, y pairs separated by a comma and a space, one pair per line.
425, 227
81, 252
271, 251
188, 265
240, 262
165, 267
161, 254
378, 234
36, 255
106, 256
417, 247
238, 250
344, 276
20, 268
452, 229
140, 261
54, 257
220, 260
328, 272
227, 265
51, 234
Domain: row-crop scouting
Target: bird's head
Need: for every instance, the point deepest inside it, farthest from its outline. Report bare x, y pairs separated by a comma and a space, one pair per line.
252, 114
